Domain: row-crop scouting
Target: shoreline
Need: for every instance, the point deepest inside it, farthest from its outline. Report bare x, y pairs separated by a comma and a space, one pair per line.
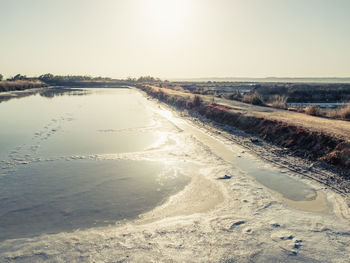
292, 158
17, 94
285, 162
277, 156
193, 199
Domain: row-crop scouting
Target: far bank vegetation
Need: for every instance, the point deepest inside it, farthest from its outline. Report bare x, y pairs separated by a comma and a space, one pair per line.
20, 85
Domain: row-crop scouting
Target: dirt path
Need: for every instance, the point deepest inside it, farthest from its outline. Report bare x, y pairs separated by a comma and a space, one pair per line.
336, 128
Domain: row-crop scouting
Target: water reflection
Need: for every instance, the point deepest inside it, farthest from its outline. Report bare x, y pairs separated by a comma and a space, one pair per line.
64, 196
61, 91
288, 187
53, 178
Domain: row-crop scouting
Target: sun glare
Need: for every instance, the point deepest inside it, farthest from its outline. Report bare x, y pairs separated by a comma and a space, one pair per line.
168, 16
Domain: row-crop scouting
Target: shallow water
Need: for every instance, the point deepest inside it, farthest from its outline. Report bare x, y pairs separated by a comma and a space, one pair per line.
52, 179
320, 104
276, 180
293, 191
94, 187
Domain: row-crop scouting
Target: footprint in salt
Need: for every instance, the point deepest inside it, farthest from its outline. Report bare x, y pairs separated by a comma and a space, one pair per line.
287, 241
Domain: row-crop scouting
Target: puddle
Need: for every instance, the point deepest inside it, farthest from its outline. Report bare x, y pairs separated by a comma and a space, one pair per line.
293, 192
288, 187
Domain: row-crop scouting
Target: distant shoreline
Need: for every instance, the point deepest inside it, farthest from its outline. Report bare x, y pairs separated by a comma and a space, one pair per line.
16, 94
267, 80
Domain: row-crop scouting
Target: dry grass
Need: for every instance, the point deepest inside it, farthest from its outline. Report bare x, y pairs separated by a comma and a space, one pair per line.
332, 113
278, 101
178, 88
195, 101
342, 113
254, 99
20, 85
313, 110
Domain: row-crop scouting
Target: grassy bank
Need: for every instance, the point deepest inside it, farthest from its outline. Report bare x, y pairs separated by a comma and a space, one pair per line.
303, 142
277, 95
20, 85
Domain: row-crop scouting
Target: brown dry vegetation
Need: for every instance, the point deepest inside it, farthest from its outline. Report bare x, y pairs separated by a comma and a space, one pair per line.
276, 95
313, 110
342, 113
306, 92
254, 99
278, 101
20, 85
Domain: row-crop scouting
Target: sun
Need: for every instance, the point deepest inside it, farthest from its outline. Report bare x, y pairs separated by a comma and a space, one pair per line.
168, 16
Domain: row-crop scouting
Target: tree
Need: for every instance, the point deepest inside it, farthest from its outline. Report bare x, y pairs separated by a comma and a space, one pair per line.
1, 77
131, 79
46, 77
147, 79
18, 77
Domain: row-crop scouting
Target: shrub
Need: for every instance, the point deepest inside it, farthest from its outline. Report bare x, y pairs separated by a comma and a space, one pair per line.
234, 96
332, 113
253, 99
197, 101
344, 113
178, 88
313, 110
279, 102
161, 95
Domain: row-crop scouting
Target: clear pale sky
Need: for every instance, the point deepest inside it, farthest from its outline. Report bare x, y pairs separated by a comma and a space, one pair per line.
176, 38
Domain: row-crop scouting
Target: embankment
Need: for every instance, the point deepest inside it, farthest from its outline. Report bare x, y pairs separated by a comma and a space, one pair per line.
303, 142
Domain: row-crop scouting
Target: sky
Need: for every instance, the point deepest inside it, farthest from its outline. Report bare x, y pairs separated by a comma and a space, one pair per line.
176, 38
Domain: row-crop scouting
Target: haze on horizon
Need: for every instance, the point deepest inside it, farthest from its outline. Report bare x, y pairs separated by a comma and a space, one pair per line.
176, 38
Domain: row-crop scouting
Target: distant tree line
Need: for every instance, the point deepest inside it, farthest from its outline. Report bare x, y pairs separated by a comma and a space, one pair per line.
19, 77
71, 79
83, 80
143, 79
61, 78
51, 79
